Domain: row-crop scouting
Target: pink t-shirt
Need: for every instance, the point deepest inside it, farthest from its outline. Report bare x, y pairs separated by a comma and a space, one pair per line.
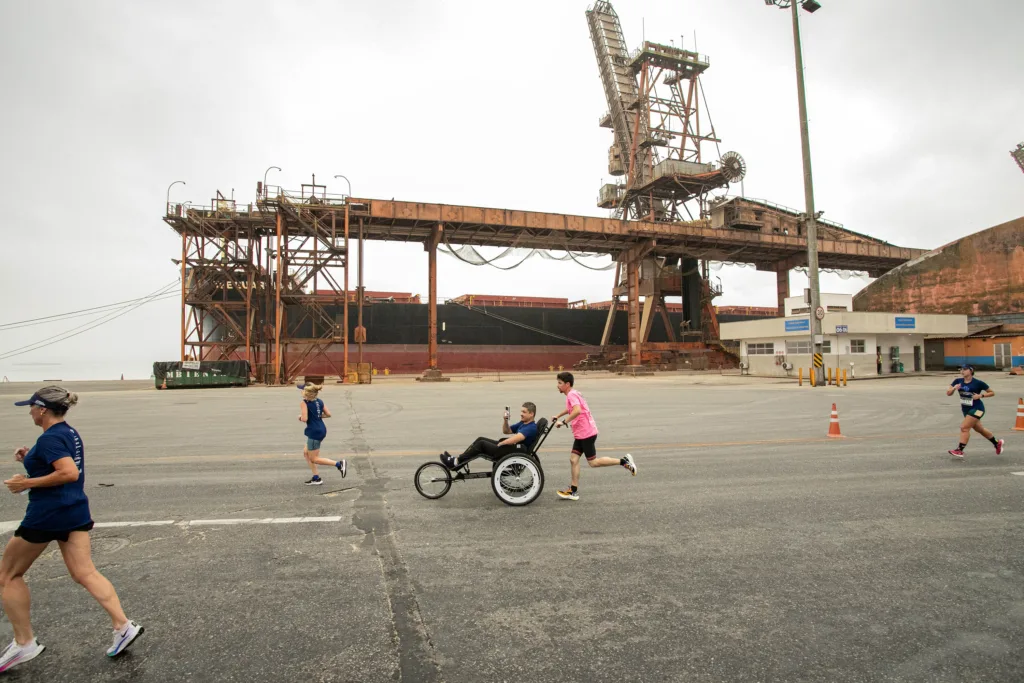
583, 427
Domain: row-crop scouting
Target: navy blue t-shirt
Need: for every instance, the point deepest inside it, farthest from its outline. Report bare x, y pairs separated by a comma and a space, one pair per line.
315, 427
528, 430
56, 508
967, 390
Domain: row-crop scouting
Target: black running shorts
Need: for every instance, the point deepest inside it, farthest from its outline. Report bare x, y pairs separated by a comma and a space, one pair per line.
587, 447
48, 535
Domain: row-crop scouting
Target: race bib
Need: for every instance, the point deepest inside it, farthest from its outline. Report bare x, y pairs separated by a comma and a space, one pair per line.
967, 401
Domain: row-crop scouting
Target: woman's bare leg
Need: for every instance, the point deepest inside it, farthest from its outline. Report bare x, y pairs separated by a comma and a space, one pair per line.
18, 557
315, 459
308, 455
77, 552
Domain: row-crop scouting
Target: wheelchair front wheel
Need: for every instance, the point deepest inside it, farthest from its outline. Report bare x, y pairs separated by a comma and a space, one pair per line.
433, 480
517, 479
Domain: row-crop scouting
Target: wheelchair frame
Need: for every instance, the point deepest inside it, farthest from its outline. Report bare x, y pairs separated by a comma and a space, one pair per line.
506, 475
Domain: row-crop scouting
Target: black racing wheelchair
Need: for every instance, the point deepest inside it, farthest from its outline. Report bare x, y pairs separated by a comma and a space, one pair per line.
516, 478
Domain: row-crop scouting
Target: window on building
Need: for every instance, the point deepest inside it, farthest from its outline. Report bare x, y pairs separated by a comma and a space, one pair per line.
826, 346
798, 311
761, 349
794, 348
857, 346
833, 309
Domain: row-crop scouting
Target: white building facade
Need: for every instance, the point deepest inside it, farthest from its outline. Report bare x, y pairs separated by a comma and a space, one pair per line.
863, 344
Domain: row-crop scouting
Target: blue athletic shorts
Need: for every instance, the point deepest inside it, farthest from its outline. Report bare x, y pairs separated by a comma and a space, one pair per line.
312, 444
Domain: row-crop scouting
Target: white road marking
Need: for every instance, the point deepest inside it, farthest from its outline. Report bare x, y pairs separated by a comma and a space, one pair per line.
266, 520
1019, 474
11, 526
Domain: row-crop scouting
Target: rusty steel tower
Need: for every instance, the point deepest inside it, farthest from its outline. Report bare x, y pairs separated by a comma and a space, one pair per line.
654, 111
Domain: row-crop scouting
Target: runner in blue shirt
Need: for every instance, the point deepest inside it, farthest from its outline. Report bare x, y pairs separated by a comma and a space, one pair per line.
58, 510
313, 412
971, 390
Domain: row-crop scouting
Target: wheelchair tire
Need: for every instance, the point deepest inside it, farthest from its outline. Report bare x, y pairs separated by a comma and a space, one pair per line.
517, 480
433, 480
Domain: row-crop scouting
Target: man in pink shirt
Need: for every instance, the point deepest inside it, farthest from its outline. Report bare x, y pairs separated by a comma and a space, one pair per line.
584, 431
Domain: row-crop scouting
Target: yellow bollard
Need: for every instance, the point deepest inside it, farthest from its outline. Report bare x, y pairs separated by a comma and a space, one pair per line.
800, 378
829, 380
844, 377
387, 371
560, 368
811, 375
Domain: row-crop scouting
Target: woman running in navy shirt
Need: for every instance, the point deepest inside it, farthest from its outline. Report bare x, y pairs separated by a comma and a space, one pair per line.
58, 510
971, 390
313, 413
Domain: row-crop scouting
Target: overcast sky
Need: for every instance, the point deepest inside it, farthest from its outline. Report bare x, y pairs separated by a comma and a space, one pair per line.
913, 106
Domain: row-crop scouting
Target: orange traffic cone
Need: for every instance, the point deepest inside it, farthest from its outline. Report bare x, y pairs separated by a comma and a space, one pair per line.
1019, 427
833, 424
164, 385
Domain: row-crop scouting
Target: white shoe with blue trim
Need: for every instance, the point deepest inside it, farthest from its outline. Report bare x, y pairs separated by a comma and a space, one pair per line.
124, 637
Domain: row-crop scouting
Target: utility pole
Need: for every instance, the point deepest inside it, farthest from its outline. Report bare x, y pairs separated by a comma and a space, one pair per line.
810, 217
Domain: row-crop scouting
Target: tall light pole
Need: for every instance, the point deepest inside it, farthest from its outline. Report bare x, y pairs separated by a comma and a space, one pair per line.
272, 168
167, 203
817, 312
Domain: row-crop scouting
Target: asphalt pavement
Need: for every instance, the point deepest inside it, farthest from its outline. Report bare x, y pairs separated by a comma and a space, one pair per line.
750, 547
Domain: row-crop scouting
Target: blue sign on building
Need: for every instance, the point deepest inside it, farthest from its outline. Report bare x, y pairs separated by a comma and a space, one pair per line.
905, 323
802, 325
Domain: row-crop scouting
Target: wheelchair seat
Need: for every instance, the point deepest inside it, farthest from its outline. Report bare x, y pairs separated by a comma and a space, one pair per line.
542, 432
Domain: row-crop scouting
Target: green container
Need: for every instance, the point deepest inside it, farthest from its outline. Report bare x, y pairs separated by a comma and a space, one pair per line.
198, 374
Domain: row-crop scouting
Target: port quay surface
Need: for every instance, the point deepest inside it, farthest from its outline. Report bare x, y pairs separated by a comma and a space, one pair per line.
748, 548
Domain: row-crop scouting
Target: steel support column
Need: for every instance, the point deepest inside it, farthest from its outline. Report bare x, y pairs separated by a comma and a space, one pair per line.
279, 308
432, 373
345, 314
782, 287
633, 310
360, 330
184, 255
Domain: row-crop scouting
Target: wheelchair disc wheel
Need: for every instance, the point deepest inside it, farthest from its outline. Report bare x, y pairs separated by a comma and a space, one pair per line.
517, 480
433, 480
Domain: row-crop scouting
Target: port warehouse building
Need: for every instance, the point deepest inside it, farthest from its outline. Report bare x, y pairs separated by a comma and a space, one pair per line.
862, 343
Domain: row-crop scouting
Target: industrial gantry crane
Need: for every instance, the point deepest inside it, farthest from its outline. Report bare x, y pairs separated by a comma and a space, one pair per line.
654, 96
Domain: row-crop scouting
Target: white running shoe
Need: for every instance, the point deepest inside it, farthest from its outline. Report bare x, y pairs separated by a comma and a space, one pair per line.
19, 654
342, 466
124, 637
629, 464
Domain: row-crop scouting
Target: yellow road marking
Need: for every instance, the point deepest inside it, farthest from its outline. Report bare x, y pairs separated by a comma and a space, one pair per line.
171, 459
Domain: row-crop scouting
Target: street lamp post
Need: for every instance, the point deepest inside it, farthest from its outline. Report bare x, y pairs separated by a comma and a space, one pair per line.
272, 168
810, 216
167, 203
347, 181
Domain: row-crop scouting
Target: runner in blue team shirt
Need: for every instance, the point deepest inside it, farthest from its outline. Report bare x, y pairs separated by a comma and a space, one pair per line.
313, 412
58, 510
972, 390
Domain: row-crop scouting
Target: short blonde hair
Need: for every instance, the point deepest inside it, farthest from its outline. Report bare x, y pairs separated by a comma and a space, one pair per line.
58, 399
310, 391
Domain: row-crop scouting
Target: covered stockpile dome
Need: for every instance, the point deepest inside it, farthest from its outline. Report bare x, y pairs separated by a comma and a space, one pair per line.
979, 275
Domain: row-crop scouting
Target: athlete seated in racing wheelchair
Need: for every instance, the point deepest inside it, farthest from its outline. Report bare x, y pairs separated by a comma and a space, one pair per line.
523, 435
